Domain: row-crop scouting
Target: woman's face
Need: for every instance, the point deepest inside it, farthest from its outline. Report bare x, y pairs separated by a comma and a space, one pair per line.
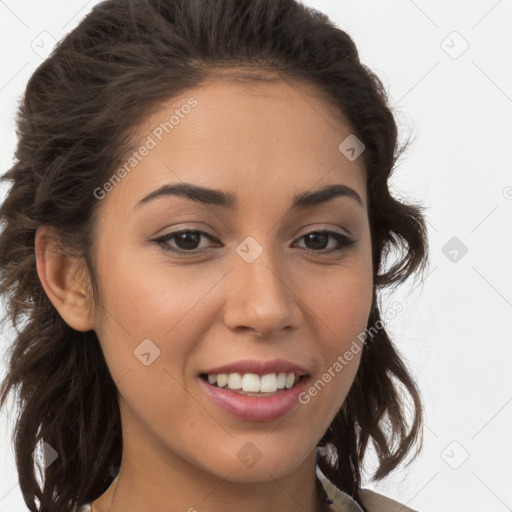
250, 288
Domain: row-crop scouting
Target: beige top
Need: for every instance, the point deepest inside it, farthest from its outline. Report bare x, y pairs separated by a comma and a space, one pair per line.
342, 502
373, 501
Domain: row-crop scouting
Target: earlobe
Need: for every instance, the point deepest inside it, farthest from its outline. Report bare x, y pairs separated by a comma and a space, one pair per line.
62, 277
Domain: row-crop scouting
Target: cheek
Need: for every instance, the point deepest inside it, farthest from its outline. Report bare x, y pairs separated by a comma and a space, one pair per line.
341, 302
341, 314
342, 305
339, 305
150, 316
168, 305
145, 297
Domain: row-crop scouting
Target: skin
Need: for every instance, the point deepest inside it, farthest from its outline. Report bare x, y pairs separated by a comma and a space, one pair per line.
264, 143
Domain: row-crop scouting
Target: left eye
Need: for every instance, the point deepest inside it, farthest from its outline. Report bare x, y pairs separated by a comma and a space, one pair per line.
186, 241
319, 238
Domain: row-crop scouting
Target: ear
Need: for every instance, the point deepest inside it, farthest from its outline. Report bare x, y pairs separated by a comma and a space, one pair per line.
64, 279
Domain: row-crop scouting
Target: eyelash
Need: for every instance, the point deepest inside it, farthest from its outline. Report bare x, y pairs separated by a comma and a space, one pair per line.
162, 242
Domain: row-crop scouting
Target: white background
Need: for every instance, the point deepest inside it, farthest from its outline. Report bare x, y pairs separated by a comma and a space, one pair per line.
455, 329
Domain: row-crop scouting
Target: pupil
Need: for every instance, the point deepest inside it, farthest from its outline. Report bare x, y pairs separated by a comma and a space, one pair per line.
315, 237
190, 240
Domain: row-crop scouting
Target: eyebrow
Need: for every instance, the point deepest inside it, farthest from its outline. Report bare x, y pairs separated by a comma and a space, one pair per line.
230, 201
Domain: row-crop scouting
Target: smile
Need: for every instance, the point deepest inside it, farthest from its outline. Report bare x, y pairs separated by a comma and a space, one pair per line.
252, 384
255, 406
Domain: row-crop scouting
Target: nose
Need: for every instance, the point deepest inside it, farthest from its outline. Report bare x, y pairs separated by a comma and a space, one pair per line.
261, 297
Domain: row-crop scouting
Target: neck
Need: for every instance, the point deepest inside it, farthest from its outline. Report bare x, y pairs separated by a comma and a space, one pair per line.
131, 493
152, 477
135, 491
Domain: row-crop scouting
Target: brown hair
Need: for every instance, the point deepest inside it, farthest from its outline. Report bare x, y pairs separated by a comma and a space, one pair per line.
76, 124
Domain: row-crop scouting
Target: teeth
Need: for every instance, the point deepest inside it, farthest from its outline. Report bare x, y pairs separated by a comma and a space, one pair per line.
252, 383
268, 383
281, 380
234, 381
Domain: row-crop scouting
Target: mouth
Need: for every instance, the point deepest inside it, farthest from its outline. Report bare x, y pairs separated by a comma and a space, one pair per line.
254, 385
253, 397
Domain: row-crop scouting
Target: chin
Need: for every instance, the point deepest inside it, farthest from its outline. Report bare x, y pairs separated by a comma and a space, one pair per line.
258, 461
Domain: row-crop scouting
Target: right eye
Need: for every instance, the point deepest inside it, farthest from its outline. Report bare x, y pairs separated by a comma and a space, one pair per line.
185, 241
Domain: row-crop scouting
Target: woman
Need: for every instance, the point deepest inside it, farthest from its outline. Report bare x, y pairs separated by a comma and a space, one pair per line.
196, 232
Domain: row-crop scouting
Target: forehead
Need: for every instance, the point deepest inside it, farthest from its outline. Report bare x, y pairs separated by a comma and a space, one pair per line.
254, 138
281, 111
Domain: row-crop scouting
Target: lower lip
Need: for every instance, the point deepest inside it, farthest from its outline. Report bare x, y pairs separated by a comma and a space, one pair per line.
250, 408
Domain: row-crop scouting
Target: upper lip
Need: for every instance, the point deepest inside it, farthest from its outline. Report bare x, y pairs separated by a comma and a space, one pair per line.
259, 367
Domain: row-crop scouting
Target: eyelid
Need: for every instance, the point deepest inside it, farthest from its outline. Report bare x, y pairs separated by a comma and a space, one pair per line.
334, 229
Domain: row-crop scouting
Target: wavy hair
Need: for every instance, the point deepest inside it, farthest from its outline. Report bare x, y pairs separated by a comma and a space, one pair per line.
76, 124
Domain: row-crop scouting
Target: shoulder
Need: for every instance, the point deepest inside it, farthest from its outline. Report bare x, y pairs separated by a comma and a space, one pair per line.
376, 502
371, 500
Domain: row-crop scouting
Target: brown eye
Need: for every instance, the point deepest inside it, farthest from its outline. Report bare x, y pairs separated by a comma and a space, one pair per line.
188, 241
317, 241
185, 241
